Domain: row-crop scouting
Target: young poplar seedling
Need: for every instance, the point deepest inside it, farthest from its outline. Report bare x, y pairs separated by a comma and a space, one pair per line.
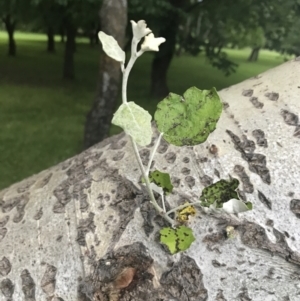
182, 121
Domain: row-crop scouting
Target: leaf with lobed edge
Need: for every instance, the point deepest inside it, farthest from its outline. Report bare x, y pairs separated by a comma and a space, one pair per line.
135, 121
111, 47
162, 180
178, 239
188, 120
140, 29
151, 43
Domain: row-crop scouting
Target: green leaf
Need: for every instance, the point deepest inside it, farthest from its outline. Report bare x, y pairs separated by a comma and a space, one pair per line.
178, 239
219, 193
135, 121
249, 205
162, 180
111, 47
188, 120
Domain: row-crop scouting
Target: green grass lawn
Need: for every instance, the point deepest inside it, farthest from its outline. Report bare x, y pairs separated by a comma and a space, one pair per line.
42, 116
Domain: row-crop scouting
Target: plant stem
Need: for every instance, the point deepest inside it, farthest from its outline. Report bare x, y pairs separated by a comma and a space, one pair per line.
150, 192
128, 68
126, 71
163, 202
182, 207
153, 152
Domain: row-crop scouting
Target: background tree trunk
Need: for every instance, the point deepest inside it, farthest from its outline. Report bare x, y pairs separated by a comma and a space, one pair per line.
10, 28
51, 41
162, 59
93, 34
253, 57
113, 21
85, 230
62, 33
69, 70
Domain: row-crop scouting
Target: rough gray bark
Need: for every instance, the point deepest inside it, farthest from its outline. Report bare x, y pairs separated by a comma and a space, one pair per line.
84, 229
113, 21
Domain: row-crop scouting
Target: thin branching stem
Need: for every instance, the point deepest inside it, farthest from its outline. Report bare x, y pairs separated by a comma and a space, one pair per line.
150, 192
157, 142
128, 68
126, 71
163, 202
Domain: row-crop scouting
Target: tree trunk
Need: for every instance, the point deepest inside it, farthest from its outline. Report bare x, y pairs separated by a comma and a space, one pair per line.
91, 38
68, 71
162, 59
253, 57
93, 35
113, 18
85, 230
160, 65
62, 34
10, 28
51, 42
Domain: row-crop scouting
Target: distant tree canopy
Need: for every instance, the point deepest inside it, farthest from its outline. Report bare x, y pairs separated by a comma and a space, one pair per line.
190, 26
65, 17
283, 36
12, 13
53, 17
209, 26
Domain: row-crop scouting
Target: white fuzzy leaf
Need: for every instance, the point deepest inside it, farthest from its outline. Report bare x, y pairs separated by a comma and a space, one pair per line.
235, 206
135, 121
156, 188
111, 47
211, 209
140, 29
151, 43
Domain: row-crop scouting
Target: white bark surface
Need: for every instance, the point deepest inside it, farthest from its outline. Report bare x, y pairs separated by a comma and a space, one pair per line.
70, 231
